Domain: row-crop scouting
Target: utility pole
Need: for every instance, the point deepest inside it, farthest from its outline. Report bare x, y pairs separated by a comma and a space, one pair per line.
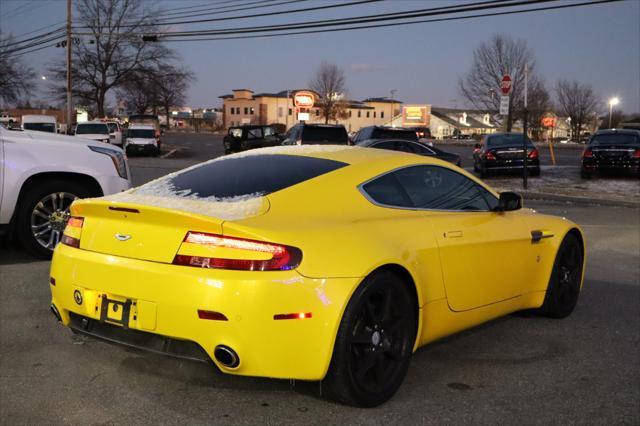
69, 41
393, 91
524, 130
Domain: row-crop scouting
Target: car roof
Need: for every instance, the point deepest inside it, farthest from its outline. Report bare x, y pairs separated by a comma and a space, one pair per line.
142, 127
617, 131
321, 125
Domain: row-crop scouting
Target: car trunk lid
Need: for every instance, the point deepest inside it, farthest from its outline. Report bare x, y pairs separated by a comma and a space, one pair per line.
152, 230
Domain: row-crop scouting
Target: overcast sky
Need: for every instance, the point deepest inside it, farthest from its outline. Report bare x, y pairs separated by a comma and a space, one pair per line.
598, 45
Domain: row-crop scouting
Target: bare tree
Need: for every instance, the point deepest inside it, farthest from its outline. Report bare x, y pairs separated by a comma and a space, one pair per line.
578, 102
538, 105
491, 60
16, 78
329, 83
113, 51
172, 85
138, 92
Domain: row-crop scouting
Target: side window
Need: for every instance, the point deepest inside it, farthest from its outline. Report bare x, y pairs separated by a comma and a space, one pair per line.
420, 149
268, 131
429, 187
405, 147
254, 133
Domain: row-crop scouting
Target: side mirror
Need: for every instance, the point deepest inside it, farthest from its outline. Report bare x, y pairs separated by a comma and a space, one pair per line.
509, 201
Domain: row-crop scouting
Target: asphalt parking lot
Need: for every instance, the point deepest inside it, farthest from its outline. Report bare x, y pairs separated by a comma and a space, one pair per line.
520, 369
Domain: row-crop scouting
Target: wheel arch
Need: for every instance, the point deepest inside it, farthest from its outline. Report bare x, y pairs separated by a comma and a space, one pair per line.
89, 181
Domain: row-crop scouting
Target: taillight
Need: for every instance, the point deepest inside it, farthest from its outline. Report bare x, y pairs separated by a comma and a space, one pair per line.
282, 258
489, 155
533, 154
636, 153
71, 234
587, 153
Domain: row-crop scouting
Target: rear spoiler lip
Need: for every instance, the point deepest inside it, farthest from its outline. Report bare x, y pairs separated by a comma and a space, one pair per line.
205, 210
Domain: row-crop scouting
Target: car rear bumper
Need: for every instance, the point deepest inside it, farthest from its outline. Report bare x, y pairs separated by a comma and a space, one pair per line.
510, 164
163, 302
622, 166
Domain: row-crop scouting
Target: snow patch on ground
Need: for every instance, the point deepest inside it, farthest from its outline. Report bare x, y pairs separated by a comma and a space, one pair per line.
567, 181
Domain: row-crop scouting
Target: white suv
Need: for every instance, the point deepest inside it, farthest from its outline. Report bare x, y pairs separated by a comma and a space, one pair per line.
41, 174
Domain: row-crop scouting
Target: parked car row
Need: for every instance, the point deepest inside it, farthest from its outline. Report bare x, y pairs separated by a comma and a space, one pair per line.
242, 138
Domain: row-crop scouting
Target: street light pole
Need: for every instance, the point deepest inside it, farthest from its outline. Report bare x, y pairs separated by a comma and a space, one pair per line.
524, 130
69, 38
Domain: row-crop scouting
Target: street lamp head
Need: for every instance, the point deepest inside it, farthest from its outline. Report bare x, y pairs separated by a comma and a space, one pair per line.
614, 101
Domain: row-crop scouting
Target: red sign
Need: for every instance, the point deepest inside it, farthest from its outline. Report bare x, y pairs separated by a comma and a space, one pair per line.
549, 121
303, 99
505, 85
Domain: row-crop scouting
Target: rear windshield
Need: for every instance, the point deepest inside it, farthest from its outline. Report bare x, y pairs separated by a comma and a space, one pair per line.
324, 135
141, 133
92, 129
407, 135
113, 127
41, 127
250, 175
615, 139
507, 140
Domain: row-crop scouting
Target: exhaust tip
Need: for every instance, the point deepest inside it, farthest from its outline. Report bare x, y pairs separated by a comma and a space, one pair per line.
226, 356
55, 312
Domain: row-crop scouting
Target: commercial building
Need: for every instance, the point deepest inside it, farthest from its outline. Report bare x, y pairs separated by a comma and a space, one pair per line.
246, 107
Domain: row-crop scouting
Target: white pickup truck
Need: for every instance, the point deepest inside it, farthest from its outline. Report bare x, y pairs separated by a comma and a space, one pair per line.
41, 174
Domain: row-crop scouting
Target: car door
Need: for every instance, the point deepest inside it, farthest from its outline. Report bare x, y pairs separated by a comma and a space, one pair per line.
486, 256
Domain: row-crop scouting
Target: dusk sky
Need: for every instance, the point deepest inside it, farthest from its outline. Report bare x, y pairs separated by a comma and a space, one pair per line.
598, 45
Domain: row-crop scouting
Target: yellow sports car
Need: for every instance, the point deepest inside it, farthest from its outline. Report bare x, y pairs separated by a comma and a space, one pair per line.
327, 263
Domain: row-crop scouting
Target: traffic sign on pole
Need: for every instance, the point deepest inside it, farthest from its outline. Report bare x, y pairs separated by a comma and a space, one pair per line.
504, 105
506, 84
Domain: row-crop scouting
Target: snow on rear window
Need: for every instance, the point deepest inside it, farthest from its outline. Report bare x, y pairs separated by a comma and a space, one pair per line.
233, 187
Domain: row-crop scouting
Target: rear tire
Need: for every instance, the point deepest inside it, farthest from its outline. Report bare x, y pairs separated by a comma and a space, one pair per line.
536, 172
585, 174
375, 340
564, 284
44, 210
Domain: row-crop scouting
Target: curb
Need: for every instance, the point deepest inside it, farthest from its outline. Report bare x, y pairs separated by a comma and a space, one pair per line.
579, 200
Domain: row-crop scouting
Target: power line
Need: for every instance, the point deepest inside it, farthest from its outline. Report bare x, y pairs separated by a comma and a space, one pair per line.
394, 24
255, 4
59, 24
469, 7
33, 44
257, 15
13, 42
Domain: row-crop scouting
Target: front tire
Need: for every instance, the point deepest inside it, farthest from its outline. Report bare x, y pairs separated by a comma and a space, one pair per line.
374, 343
564, 285
43, 213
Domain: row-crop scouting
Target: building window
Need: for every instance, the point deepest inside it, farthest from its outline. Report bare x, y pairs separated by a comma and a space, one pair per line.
374, 114
349, 117
359, 114
381, 114
318, 114
280, 112
246, 111
251, 111
290, 111
367, 114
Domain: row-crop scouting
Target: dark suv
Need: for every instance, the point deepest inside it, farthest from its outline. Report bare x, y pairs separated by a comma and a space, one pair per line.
316, 134
380, 132
243, 138
612, 151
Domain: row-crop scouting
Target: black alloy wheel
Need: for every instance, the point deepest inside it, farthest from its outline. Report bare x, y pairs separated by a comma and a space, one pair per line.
564, 285
374, 343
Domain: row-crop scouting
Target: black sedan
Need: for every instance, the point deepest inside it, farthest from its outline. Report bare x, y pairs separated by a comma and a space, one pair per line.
612, 151
503, 152
412, 147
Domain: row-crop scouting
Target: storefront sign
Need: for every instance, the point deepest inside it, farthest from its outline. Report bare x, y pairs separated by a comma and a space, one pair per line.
415, 115
303, 99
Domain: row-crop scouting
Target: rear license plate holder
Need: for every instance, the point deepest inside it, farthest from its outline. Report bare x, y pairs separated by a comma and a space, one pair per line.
115, 311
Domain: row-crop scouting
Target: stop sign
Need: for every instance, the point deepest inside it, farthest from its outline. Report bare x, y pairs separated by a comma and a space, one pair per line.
505, 85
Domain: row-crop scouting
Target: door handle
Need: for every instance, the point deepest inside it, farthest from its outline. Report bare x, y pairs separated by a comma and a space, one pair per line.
537, 235
453, 234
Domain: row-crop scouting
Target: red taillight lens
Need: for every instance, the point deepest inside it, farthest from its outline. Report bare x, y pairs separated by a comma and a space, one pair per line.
533, 154
636, 154
71, 234
587, 153
489, 155
283, 257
